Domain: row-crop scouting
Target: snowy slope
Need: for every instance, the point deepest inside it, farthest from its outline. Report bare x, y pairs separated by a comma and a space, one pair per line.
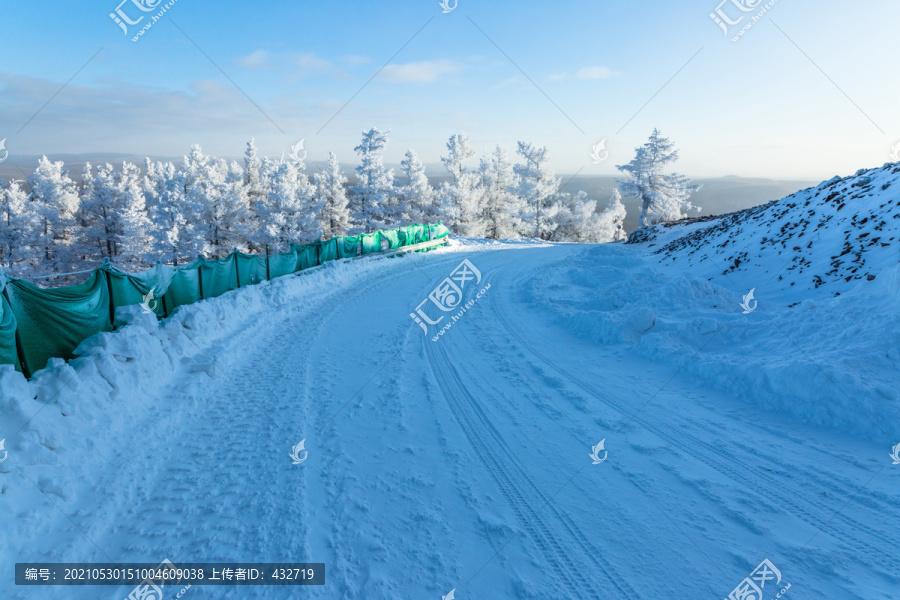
838, 233
463, 463
822, 343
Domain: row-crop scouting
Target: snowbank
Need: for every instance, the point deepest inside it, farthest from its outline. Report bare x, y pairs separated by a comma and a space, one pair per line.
823, 341
117, 380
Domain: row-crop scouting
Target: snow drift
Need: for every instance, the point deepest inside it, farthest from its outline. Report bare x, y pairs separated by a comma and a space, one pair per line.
823, 342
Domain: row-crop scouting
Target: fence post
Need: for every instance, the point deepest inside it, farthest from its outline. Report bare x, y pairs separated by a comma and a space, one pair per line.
20, 350
200, 275
237, 271
268, 274
112, 304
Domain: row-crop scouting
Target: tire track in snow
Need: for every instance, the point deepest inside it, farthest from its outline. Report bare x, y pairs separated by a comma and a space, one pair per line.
729, 466
554, 533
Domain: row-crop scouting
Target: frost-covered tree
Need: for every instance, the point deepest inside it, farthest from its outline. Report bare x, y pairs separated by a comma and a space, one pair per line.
253, 173
334, 217
287, 216
19, 228
537, 188
225, 211
417, 197
135, 238
664, 196
372, 203
502, 209
174, 220
461, 196
114, 216
55, 201
579, 221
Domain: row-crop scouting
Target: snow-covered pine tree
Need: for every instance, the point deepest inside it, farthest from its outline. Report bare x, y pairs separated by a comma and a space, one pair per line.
55, 200
19, 227
334, 216
134, 228
502, 208
174, 220
283, 218
537, 188
664, 196
371, 201
580, 222
615, 217
225, 209
417, 197
113, 213
461, 196
253, 173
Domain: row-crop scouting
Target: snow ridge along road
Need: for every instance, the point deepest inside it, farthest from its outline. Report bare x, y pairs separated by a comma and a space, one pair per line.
461, 463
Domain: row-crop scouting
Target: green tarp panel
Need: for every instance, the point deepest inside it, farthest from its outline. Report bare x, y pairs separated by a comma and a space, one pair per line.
348, 247
251, 268
438, 231
328, 250
415, 234
282, 264
218, 276
306, 256
184, 288
128, 289
52, 322
8, 354
393, 238
371, 243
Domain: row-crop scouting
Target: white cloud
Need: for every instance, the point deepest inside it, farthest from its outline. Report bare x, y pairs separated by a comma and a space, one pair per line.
594, 73
311, 61
357, 60
425, 71
255, 60
584, 73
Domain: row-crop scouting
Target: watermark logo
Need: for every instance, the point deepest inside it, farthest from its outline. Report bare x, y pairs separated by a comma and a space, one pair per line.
599, 153
746, 302
296, 149
149, 589
448, 296
123, 20
296, 450
895, 453
449, 8
450, 596
895, 152
595, 452
5, 453
3, 150
751, 588
740, 10
149, 303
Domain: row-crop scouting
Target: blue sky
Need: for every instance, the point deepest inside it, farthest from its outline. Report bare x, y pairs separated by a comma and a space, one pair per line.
822, 104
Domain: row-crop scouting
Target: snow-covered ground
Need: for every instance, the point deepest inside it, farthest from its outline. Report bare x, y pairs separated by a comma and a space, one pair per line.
463, 463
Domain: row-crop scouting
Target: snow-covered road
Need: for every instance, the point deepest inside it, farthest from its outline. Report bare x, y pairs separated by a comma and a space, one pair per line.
464, 463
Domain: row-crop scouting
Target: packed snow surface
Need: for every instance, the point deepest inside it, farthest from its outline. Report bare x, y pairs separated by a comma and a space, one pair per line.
465, 463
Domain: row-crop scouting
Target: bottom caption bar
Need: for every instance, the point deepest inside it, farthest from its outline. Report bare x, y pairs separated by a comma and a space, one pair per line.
167, 574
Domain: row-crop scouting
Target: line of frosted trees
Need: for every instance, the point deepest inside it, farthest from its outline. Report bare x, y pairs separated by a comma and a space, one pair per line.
209, 206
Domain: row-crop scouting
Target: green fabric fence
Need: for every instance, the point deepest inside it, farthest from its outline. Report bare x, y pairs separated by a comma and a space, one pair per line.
50, 323
37, 324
